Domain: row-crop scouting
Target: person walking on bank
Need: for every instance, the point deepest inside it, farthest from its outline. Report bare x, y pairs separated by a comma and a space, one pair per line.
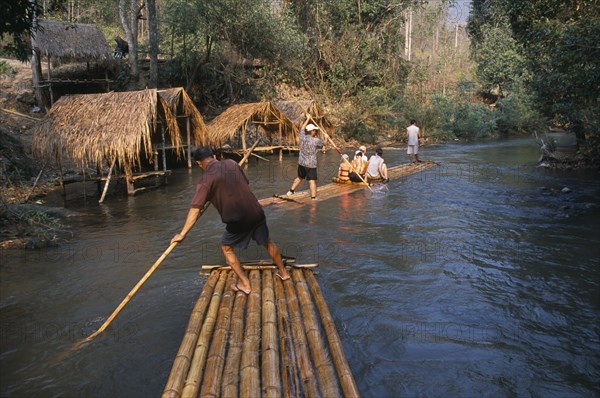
307, 159
226, 187
412, 136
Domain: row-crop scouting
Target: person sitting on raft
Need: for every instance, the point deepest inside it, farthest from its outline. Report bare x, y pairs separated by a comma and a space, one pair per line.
377, 169
359, 167
344, 170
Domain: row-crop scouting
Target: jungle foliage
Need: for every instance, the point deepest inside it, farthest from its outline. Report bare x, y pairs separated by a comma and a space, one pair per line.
548, 48
528, 62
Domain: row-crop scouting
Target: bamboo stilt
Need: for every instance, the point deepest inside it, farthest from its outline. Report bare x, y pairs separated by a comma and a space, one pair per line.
309, 384
289, 370
215, 361
107, 181
325, 372
181, 364
249, 369
192, 384
270, 349
231, 373
189, 142
335, 345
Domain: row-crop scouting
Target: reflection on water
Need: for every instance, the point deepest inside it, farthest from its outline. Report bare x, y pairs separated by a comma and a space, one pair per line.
475, 278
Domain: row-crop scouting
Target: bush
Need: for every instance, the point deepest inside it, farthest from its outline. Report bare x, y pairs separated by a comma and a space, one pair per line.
6, 69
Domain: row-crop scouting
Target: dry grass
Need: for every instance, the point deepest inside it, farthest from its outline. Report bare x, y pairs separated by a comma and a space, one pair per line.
94, 127
240, 120
67, 41
180, 103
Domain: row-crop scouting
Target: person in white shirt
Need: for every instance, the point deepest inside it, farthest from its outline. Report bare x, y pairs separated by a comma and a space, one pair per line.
377, 169
412, 135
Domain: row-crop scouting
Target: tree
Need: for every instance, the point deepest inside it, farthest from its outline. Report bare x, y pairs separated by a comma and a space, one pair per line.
129, 12
153, 42
16, 20
499, 59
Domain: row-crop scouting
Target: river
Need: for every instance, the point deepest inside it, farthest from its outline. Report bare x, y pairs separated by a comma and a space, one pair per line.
475, 278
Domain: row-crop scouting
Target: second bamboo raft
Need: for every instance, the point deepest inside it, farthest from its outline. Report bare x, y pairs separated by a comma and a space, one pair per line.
334, 189
279, 341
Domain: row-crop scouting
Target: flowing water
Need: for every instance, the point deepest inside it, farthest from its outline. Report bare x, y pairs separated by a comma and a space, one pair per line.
475, 278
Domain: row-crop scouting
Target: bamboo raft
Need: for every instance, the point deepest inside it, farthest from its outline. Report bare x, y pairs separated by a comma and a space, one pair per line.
280, 340
335, 189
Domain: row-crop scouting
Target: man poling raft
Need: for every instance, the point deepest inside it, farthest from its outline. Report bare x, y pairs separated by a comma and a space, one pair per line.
225, 185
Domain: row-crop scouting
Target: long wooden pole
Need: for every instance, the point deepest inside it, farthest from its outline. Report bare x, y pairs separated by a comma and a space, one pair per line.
331, 141
145, 277
128, 297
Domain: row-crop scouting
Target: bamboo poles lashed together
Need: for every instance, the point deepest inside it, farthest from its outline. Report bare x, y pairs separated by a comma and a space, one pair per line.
146, 276
330, 140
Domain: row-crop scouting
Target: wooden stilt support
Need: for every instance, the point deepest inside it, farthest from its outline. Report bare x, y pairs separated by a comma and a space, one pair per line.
189, 142
129, 180
107, 181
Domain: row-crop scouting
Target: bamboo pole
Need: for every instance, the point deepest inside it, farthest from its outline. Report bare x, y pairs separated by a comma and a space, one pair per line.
194, 376
215, 361
289, 370
107, 181
310, 387
249, 367
181, 364
125, 300
271, 380
325, 372
335, 345
189, 142
331, 141
231, 373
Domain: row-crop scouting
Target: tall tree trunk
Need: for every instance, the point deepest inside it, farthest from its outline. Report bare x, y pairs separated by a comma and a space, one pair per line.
153, 41
128, 16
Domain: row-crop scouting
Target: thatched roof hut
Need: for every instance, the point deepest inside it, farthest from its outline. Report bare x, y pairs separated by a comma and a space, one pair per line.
119, 127
181, 104
240, 125
296, 113
71, 42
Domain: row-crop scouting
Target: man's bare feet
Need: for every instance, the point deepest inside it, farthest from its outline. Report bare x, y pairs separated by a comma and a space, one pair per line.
236, 288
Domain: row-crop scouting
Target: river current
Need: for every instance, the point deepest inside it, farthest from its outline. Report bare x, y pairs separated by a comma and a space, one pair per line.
476, 278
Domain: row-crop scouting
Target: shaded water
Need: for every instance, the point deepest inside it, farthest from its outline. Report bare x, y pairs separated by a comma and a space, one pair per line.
475, 278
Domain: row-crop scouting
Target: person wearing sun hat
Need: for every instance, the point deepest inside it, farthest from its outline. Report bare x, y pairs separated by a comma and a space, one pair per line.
307, 159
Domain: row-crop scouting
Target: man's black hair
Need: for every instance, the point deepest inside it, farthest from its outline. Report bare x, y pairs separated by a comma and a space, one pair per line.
202, 153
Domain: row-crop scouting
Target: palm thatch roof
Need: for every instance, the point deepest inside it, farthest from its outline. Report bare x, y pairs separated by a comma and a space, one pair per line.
295, 112
67, 41
90, 128
246, 122
180, 103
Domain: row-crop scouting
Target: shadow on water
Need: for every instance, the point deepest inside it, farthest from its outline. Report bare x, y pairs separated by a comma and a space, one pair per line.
475, 278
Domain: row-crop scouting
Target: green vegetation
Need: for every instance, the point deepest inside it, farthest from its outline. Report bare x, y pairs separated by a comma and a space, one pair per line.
517, 66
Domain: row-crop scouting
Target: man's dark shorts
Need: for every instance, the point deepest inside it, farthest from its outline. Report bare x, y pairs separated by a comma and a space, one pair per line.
241, 239
308, 173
